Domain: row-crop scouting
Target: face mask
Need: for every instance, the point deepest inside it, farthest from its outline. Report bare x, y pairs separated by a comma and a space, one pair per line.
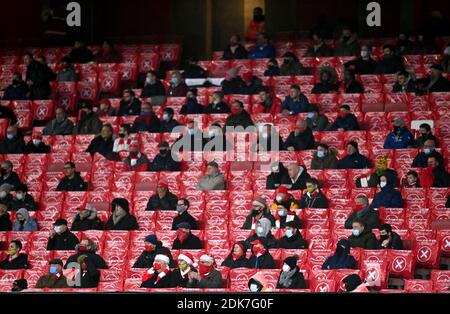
355, 232
183, 266
163, 152
396, 129
384, 237
427, 151
447, 51
148, 80
259, 231
275, 169
82, 248
320, 154
256, 212
343, 114
144, 114
149, 247
57, 229
281, 213
16, 82
19, 196
310, 115
36, 142
9, 136
235, 110
174, 81
358, 207
383, 184
204, 269
165, 117
364, 54
279, 198
289, 233
286, 268
157, 266
180, 208
2, 194
122, 135
254, 287
190, 131
310, 189
340, 250
53, 270
11, 252
182, 235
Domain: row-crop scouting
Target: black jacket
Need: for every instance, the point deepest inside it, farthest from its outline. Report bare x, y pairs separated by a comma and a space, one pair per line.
191, 243
354, 87
86, 224
349, 123
13, 179
151, 90
249, 220
221, 107
101, 146
7, 113
269, 241
38, 74
241, 262
168, 202
274, 179
294, 242
178, 280
81, 55
89, 277
300, 184
421, 160
146, 259
5, 222
13, 146
64, 242
354, 161
184, 217
369, 216
365, 240
297, 281
239, 53
242, 119
74, 184
42, 148
265, 261
441, 177
232, 86
132, 109
441, 85
150, 124
390, 65
318, 201
303, 141
194, 71
96, 260
191, 107
164, 163
396, 242
20, 262
16, 92
324, 88
128, 222
167, 127
27, 202
165, 282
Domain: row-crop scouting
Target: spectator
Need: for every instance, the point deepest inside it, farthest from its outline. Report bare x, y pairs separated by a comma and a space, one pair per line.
108, 54
207, 276
258, 284
24, 222
152, 247
86, 219
136, 161
324, 158
55, 278
362, 237
400, 137
404, 83
88, 248
80, 53
15, 259
147, 121
263, 48
18, 90
239, 117
72, 180
347, 45
429, 149
234, 50
5, 195
129, 105
163, 199
404, 46
8, 175
168, 123
316, 121
89, 274
256, 25
61, 238
273, 180
319, 48
217, 140
259, 211
213, 179
292, 238
7, 113
177, 86
296, 177
193, 70
341, 259
292, 66
373, 180
181, 274
103, 143
272, 68
237, 258
436, 82
351, 85
388, 196
268, 140
353, 283
191, 106
260, 258
284, 207
232, 82
441, 177
164, 160
121, 219
67, 72
19, 285
389, 239
354, 159
185, 240
313, 198
22, 199
290, 276
390, 63
5, 220
159, 276
266, 103
328, 82
263, 233
364, 64
183, 215
362, 211
411, 180
295, 103
61, 125
250, 84
37, 78
345, 121
122, 143
154, 89
36, 145
217, 104
301, 138
191, 140
89, 123
425, 134
13, 143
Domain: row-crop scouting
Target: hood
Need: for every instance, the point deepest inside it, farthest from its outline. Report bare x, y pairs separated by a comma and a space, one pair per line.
332, 71
24, 213
266, 225
390, 179
346, 244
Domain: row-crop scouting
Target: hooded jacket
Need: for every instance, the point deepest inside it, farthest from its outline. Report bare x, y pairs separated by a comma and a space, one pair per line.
92, 222
388, 196
215, 182
266, 236
395, 243
294, 242
341, 259
28, 225
71, 185
13, 179
146, 259
329, 161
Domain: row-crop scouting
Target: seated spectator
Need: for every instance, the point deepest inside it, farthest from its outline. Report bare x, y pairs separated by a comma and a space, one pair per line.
191, 139
72, 180
284, 207
234, 50
292, 66
429, 149
168, 123
324, 158
272, 68
353, 283
301, 138
373, 180
13, 143
347, 44
193, 71
217, 104
55, 278
129, 105
440, 176
237, 258
191, 106
232, 82
152, 247
296, 177
290, 275
15, 259
425, 134
67, 71
292, 238
183, 215
89, 274
273, 180
404, 45
89, 123
263, 233
7, 175
7, 113
103, 143
88, 248
5, 218
390, 63
260, 258
250, 84
263, 48
239, 117
266, 103
424, 45
182, 274
154, 89
147, 121
159, 276
388, 196
404, 83
350, 84
295, 103
108, 54
136, 161
400, 137
216, 140
61, 125
362, 237
24, 222
61, 238
354, 159
80, 53
259, 210
268, 140
86, 219
316, 121
328, 81
121, 219
123, 141
163, 199
18, 90
435, 82
185, 240
364, 64
411, 181
36, 145
177, 86
258, 284
5, 195
164, 160
319, 48
345, 121
341, 259
37, 77
213, 179
362, 211
22, 199
313, 198
207, 277
389, 239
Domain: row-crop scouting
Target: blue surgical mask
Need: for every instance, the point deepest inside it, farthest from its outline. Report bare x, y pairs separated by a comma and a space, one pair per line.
289, 233
355, 233
53, 270
427, 151
9, 136
259, 231
57, 229
190, 131
320, 154
148, 81
281, 213
174, 80
310, 115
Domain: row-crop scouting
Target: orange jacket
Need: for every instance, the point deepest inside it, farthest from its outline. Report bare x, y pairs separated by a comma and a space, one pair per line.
253, 29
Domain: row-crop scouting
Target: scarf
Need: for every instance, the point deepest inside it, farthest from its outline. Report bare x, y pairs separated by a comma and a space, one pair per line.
122, 141
286, 278
182, 236
152, 271
289, 217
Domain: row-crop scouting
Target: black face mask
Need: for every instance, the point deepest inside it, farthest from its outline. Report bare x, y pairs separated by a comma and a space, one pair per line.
345, 38
384, 237
122, 135
258, 17
16, 82
340, 250
396, 129
256, 212
2, 172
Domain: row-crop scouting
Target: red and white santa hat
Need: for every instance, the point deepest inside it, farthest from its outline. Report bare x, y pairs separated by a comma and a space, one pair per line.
163, 258
187, 257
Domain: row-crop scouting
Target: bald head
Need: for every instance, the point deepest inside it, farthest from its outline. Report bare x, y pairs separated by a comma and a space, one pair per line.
293, 170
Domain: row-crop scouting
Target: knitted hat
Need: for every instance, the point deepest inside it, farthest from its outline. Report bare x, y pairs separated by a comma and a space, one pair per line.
187, 257
291, 261
152, 239
161, 257
260, 201
60, 222
21, 283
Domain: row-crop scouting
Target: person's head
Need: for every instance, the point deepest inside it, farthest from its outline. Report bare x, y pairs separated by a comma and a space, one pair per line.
191, 126
85, 108
263, 227
167, 114
317, 38
60, 114
267, 130
412, 177
235, 40
176, 79
21, 191
281, 194
349, 75
258, 11
3, 209
429, 146
263, 95
161, 263
217, 97
301, 125
424, 129
257, 246
86, 245
60, 226
273, 63
343, 247
183, 230
107, 46
247, 77
383, 181
289, 57
239, 249
14, 247
398, 124
436, 71
365, 51
358, 227
65, 62
192, 93
346, 33
182, 205
385, 231
120, 206
162, 187
294, 91
124, 130
6, 167
214, 130
402, 77
69, 169
185, 260
19, 285
205, 264
212, 168
433, 162
325, 76
56, 266
22, 215
84, 213
361, 201
150, 242
104, 106
258, 206
344, 111
128, 95
237, 107
262, 39
11, 131
388, 51
352, 148
151, 77
322, 150
311, 185
146, 108
5, 189
41, 59
291, 228
164, 148
293, 170
17, 78
107, 131
28, 58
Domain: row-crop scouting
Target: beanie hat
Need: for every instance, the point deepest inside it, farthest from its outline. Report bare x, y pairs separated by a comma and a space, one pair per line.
260, 201
122, 202
56, 261
354, 144
184, 225
152, 239
187, 257
291, 261
161, 257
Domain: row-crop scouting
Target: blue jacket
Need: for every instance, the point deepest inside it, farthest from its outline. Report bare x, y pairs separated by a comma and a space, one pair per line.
349, 123
300, 106
340, 260
402, 139
267, 52
388, 196
354, 161
29, 225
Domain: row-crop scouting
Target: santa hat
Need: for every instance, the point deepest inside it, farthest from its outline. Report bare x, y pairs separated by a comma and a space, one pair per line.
206, 258
260, 201
281, 190
187, 257
164, 258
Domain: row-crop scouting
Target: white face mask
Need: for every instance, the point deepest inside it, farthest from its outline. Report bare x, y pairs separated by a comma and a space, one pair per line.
165, 117
57, 229
133, 162
19, 196
447, 51
383, 184
286, 268
2, 194
279, 198
259, 231
281, 213
364, 53
36, 142
254, 287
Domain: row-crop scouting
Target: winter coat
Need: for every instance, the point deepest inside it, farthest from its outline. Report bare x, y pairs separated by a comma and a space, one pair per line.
362, 66
303, 141
37, 73
441, 177
90, 223
5, 222
354, 87
178, 91
274, 179
299, 184
71, 185
320, 124
28, 225
330, 161
390, 65
168, 202
7, 113
168, 126
54, 127
340, 261
20, 262
401, 140
192, 242
257, 52
129, 109
421, 160
67, 75
396, 242
146, 259
368, 215
101, 146
354, 161
297, 281
219, 108
165, 282
96, 260
242, 119
191, 107
152, 90
231, 263
18, 92
388, 196
90, 124
184, 217
249, 220
239, 53
215, 182
349, 123
42, 148
264, 261
296, 106
27, 202
317, 201
211, 281
128, 222
164, 163
15, 145
350, 47
146, 123
294, 242
51, 281
322, 51
141, 163
65, 241
366, 240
